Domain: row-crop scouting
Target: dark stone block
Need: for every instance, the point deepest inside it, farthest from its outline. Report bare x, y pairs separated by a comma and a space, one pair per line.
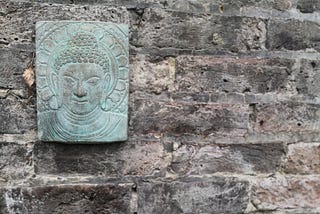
135, 157
208, 159
164, 29
17, 116
82, 198
193, 196
15, 161
308, 79
292, 35
187, 118
12, 65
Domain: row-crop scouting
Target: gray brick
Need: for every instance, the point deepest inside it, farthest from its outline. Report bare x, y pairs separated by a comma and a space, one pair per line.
193, 196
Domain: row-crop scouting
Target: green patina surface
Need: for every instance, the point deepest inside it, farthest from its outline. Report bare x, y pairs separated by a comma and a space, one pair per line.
82, 77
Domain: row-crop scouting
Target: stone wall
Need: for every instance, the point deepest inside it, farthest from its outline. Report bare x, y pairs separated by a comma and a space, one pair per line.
224, 111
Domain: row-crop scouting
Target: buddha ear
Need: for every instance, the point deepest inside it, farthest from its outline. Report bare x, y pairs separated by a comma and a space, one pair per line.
106, 84
55, 82
105, 105
56, 100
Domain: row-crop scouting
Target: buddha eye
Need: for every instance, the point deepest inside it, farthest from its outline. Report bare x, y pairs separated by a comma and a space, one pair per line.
93, 80
69, 80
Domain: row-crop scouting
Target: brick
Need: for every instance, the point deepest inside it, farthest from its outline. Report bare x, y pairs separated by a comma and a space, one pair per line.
164, 29
15, 161
308, 6
194, 159
133, 158
225, 74
17, 116
12, 65
303, 158
292, 35
193, 196
173, 118
150, 74
19, 18
286, 117
308, 78
191, 97
82, 198
286, 193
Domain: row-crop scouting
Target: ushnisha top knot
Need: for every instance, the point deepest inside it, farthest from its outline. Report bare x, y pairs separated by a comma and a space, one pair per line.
82, 48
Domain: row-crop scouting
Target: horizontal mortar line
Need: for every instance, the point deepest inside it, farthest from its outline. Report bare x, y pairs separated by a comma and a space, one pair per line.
250, 177
273, 14
287, 54
19, 138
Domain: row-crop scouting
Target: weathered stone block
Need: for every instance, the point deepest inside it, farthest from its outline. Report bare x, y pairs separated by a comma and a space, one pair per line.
15, 161
149, 117
286, 193
17, 116
303, 158
292, 35
19, 18
191, 97
12, 65
249, 159
135, 157
308, 78
286, 117
164, 29
193, 196
150, 74
214, 74
82, 198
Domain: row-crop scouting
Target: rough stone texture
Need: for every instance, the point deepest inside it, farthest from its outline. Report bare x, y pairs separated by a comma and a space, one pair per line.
286, 193
150, 74
286, 117
15, 162
193, 196
308, 79
202, 74
209, 159
136, 158
164, 29
17, 116
84, 198
18, 19
3, 206
13, 63
183, 118
303, 158
292, 35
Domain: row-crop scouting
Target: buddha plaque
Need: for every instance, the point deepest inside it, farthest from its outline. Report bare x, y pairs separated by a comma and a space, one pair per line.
82, 81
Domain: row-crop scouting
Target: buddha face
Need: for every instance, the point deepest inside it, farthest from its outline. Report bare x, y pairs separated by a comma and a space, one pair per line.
82, 86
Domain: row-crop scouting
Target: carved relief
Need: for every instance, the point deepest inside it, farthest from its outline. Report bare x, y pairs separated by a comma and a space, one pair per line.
82, 81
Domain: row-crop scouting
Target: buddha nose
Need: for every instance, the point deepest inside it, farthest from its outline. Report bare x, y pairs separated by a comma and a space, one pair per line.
80, 91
